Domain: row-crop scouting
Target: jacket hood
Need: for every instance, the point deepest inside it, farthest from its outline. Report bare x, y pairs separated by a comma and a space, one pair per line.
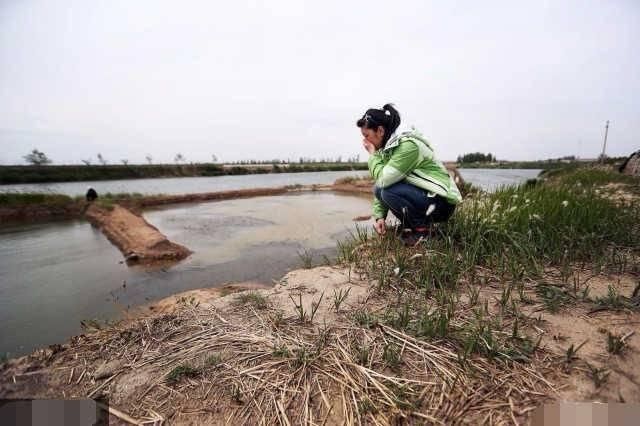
410, 133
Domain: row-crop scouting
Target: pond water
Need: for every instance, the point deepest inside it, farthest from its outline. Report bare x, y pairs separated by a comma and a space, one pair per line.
54, 275
488, 179
491, 179
185, 185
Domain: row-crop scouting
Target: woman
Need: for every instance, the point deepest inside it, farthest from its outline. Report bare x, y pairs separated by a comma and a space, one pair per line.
409, 180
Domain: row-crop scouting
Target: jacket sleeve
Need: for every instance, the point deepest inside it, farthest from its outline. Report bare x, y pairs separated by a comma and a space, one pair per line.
404, 159
379, 210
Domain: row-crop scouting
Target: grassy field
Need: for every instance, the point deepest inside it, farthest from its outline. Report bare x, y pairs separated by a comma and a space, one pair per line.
590, 177
537, 241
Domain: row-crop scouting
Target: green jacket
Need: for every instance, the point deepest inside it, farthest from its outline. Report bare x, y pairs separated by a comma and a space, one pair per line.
409, 156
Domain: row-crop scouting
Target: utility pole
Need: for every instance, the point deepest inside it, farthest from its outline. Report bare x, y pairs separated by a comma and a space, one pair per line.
579, 156
604, 145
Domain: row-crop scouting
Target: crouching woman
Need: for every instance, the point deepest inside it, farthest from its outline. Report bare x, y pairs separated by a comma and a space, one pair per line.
409, 180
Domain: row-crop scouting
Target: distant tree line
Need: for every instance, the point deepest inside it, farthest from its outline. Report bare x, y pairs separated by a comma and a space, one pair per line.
39, 158
476, 157
301, 160
38, 172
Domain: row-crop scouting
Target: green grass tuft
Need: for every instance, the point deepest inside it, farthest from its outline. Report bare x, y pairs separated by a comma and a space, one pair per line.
252, 298
181, 371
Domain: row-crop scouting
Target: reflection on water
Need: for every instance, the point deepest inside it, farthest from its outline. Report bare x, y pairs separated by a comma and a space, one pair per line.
52, 276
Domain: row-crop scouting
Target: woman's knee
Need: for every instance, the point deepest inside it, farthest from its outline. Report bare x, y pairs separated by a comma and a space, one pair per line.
377, 191
440, 212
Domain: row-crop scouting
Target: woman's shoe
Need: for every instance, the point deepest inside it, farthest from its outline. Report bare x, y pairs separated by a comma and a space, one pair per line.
399, 231
415, 236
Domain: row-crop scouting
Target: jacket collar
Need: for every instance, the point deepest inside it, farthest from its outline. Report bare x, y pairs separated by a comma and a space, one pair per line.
396, 136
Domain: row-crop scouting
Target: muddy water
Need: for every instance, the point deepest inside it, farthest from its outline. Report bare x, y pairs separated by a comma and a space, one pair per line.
54, 275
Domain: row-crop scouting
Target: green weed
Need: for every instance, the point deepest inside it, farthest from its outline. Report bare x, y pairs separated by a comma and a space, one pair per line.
553, 297
213, 360
391, 355
307, 258
302, 356
281, 351
361, 354
252, 298
305, 315
339, 297
366, 406
365, 318
181, 371
571, 354
599, 375
613, 300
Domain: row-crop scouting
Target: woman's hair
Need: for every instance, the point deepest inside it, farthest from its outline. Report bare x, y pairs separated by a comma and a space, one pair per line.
387, 117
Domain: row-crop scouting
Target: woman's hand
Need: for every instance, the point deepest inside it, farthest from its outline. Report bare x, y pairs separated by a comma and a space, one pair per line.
380, 226
368, 146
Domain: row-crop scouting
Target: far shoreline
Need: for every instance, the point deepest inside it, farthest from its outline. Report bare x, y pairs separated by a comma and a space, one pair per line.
43, 174
19, 174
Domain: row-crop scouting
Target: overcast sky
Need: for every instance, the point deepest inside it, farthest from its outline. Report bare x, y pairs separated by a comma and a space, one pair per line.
284, 79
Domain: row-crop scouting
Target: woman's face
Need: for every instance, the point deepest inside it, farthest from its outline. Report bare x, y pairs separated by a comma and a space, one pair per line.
373, 136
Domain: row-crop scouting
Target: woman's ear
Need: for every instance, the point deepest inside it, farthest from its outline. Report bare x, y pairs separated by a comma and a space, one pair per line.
380, 131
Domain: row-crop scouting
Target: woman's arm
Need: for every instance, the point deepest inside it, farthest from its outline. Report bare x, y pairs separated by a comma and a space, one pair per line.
405, 158
379, 210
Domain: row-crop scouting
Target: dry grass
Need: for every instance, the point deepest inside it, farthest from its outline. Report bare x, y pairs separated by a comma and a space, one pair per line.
322, 377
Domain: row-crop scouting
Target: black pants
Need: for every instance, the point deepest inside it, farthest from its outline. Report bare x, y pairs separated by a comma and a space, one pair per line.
413, 205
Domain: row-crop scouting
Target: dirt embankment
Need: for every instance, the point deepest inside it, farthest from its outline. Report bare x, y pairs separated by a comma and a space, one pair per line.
158, 200
201, 297
363, 187
39, 212
137, 239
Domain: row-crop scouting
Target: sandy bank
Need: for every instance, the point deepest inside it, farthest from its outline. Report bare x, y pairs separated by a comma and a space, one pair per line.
201, 297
